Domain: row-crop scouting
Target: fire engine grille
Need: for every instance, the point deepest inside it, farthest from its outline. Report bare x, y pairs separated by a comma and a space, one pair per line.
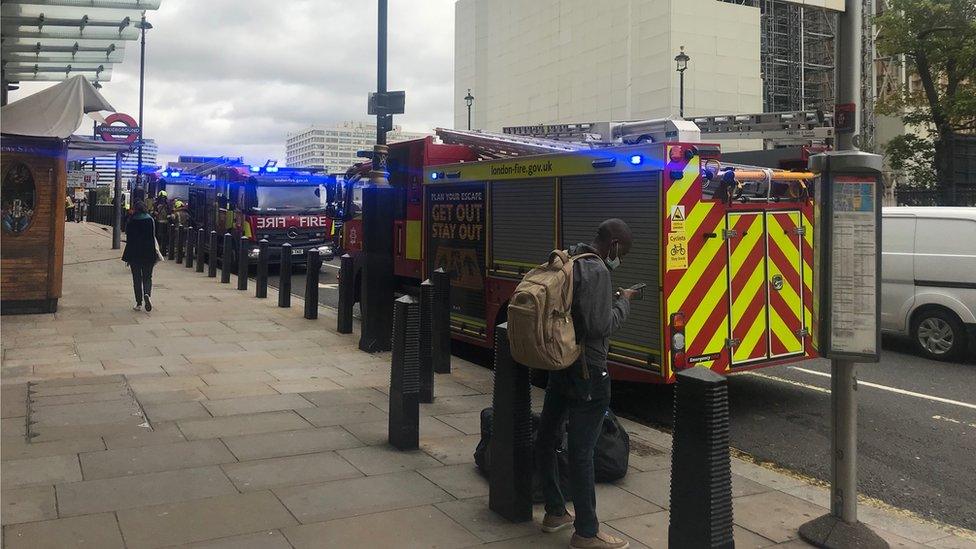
635, 198
523, 217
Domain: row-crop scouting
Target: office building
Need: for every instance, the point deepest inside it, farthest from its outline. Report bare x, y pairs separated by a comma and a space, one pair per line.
105, 165
334, 147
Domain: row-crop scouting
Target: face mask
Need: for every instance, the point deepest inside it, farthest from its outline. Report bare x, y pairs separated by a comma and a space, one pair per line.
613, 263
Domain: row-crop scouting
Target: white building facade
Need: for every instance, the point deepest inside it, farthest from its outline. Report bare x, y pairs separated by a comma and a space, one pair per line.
334, 147
105, 165
561, 61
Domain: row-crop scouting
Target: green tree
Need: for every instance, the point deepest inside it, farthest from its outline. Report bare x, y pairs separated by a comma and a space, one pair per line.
938, 40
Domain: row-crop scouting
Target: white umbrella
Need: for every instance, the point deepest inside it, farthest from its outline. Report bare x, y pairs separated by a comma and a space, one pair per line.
54, 112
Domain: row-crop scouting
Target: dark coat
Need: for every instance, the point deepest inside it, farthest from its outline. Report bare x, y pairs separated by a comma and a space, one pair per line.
140, 241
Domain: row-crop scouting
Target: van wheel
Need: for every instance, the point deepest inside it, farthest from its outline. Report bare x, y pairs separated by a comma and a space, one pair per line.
938, 334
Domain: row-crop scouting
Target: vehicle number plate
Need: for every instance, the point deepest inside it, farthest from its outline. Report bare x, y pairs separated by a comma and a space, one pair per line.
297, 251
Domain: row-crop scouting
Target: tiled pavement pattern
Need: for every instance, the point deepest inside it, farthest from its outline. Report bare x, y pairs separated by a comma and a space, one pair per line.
266, 430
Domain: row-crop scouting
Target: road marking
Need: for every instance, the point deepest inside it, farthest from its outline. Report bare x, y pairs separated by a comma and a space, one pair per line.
893, 389
329, 286
787, 381
956, 421
329, 265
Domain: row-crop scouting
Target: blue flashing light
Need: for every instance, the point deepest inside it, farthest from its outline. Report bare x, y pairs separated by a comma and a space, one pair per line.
165, 174
255, 169
175, 174
636, 160
271, 169
433, 175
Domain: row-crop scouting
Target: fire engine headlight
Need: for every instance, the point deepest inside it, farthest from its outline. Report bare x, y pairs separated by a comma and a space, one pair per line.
678, 342
325, 250
253, 253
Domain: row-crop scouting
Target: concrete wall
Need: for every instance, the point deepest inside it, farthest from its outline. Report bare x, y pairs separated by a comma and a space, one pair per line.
549, 61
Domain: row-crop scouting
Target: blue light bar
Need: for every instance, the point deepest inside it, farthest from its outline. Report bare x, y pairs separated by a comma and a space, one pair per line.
636, 160
255, 169
175, 174
271, 169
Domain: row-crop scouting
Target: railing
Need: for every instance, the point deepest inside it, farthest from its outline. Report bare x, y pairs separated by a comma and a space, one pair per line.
934, 197
102, 214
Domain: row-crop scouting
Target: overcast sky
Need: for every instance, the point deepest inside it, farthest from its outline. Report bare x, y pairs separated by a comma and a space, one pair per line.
233, 77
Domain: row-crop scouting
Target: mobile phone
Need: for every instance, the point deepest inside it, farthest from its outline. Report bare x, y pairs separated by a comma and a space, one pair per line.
639, 288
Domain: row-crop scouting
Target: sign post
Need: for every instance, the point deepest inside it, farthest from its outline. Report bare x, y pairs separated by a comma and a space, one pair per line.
847, 305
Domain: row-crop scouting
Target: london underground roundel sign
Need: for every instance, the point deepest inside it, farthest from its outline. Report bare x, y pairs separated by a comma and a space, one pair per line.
119, 128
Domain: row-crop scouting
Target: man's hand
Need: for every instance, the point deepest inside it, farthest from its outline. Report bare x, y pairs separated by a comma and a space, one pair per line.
627, 293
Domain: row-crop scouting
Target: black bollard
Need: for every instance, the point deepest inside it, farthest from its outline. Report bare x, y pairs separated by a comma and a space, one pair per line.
426, 364
404, 418
227, 259
701, 470
212, 255
284, 276
201, 238
312, 269
243, 262
347, 294
170, 242
180, 242
261, 284
191, 237
510, 476
440, 326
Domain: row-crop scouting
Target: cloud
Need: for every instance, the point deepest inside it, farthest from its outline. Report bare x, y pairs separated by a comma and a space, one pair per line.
234, 77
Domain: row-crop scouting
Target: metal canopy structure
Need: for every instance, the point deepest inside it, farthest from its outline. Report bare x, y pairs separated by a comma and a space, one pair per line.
52, 40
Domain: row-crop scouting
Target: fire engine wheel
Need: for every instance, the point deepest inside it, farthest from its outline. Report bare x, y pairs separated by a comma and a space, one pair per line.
938, 334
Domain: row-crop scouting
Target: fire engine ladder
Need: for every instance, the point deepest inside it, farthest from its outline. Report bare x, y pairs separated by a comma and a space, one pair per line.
490, 145
780, 127
211, 166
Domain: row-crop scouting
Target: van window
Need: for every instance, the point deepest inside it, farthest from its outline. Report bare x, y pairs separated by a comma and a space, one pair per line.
945, 236
897, 235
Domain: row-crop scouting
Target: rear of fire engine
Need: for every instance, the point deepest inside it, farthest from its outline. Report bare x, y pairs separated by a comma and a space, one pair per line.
726, 252
282, 205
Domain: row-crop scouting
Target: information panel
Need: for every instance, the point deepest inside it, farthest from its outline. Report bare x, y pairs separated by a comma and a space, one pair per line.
456, 230
853, 267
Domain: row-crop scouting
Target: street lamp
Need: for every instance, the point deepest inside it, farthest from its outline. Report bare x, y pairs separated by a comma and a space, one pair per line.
681, 63
143, 26
469, 100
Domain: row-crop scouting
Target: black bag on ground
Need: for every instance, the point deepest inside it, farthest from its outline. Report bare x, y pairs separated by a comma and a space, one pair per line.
612, 454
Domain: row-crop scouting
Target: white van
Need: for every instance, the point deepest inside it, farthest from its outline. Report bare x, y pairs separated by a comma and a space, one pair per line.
928, 289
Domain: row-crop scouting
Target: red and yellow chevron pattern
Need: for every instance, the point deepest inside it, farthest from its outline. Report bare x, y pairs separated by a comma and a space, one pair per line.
747, 287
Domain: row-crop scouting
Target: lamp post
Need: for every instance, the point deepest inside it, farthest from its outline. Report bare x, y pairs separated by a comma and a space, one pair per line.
681, 63
469, 100
143, 26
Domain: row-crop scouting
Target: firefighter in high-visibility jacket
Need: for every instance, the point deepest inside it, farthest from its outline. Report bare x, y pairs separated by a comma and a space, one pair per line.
181, 216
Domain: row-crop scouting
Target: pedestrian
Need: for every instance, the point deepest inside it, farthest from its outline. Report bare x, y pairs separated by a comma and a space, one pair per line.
141, 253
69, 209
80, 210
581, 393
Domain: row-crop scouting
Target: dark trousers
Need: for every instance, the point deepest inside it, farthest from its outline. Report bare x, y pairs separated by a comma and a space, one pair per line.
585, 420
141, 280
162, 236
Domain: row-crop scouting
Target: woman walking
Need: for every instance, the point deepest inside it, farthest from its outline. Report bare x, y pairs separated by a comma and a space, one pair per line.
140, 253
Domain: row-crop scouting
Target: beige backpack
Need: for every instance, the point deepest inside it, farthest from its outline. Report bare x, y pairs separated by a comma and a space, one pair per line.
540, 324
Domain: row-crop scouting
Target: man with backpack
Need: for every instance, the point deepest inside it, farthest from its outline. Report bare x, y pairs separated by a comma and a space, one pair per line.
581, 391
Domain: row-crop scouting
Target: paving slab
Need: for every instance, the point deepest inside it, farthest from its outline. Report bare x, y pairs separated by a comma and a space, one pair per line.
290, 443
468, 423
46, 433
462, 481
289, 471
172, 411
270, 539
345, 397
161, 434
256, 404
357, 412
237, 378
360, 496
57, 390
220, 392
112, 494
29, 504
41, 401
456, 405
89, 532
88, 413
420, 527
310, 372
177, 395
380, 460
205, 519
40, 470
451, 450
377, 432
896, 523
149, 459
481, 521
652, 531
774, 515
17, 447
247, 424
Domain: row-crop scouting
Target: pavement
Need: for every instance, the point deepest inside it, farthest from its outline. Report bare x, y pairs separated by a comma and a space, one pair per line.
221, 420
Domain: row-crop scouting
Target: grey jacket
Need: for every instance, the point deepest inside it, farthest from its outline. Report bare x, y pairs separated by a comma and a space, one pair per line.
596, 315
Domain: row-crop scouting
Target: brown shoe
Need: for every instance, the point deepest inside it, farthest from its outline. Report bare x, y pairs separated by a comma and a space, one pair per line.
601, 541
555, 523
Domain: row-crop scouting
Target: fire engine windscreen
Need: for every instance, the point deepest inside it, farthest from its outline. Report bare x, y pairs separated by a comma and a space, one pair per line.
275, 198
176, 190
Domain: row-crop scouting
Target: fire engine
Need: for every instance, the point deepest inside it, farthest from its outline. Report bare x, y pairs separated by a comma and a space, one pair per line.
278, 204
726, 250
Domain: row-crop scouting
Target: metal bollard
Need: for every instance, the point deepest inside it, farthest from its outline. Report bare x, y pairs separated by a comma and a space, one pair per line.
226, 260
701, 470
243, 262
425, 360
170, 241
347, 294
284, 276
440, 326
510, 476
180, 242
261, 284
212, 255
201, 238
404, 418
191, 237
312, 269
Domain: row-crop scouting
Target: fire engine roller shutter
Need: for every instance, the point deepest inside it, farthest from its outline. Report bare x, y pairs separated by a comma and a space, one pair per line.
522, 224
589, 200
